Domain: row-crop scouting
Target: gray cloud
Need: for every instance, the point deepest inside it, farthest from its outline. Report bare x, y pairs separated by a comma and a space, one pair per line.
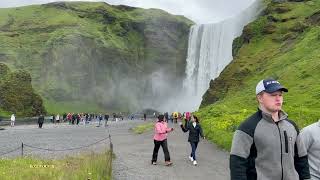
200, 11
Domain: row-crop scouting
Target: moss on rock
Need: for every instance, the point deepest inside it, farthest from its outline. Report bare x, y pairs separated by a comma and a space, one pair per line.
17, 95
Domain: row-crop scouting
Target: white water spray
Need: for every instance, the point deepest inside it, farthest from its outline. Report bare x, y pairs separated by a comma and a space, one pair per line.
209, 52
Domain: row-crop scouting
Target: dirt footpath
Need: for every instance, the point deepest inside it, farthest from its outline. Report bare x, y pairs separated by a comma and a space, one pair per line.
133, 157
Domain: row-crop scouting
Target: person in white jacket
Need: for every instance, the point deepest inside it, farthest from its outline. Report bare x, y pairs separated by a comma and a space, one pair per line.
13, 119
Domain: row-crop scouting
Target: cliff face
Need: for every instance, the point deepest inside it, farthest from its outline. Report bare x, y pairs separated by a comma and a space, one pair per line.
94, 56
17, 95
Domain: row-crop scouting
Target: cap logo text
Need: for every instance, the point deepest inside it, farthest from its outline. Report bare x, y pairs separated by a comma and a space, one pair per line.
272, 82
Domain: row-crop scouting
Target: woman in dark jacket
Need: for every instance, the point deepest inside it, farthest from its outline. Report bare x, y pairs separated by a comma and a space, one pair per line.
195, 131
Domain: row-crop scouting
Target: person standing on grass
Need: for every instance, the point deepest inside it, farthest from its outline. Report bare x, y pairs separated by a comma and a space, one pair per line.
160, 139
195, 131
267, 145
13, 119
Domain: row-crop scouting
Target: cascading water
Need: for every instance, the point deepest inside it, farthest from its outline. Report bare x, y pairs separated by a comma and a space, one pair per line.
209, 52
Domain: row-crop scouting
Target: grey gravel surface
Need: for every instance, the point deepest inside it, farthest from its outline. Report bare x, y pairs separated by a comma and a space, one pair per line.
54, 137
133, 158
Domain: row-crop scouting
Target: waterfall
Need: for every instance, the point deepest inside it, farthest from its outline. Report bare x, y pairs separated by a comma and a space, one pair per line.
209, 52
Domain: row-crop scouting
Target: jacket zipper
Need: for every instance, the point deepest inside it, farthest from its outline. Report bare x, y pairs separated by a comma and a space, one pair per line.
286, 141
280, 151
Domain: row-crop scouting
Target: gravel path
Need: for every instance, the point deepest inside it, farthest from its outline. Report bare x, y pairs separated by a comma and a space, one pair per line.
133, 152
133, 158
52, 136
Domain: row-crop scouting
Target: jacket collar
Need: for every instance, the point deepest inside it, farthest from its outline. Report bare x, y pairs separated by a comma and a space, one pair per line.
268, 116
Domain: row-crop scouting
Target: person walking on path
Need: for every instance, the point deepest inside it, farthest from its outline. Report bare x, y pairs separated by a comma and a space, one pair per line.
106, 118
267, 146
78, 118
310, 136
13, 120
100, 119
160, 139
40, 120
195, 131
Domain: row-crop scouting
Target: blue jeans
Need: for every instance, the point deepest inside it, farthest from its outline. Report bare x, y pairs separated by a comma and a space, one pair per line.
194, 146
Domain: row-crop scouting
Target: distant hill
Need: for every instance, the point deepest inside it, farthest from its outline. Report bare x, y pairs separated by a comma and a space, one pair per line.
93, 56
284, 43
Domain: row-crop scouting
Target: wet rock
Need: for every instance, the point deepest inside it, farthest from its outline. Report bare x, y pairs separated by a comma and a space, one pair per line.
299, 27
269, 28
282, 9
314, 19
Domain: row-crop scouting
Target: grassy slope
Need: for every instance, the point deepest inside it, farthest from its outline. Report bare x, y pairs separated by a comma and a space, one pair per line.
140, 129
29, 32
91, 166
289, 51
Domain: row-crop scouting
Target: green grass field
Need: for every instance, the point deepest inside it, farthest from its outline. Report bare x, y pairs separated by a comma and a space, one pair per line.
146, 127
90, 166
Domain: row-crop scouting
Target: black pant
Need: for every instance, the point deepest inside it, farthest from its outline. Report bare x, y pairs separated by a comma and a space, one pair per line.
157, 145
40, 124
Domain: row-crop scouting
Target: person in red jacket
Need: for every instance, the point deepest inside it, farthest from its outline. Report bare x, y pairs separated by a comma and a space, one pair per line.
160, 139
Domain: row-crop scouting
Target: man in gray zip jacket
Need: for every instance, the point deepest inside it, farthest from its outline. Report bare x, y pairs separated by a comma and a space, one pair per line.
267, 145
310, 136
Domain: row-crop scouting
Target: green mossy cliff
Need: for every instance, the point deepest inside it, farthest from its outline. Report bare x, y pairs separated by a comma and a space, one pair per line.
17, 95
283, 43
93, 56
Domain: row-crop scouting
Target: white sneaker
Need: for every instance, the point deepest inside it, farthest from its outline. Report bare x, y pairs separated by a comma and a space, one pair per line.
195, 162
191, 158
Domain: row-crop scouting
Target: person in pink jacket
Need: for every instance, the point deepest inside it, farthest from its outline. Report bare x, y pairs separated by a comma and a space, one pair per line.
160, 139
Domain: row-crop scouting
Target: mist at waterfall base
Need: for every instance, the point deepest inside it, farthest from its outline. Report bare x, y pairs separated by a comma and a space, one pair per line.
209, 52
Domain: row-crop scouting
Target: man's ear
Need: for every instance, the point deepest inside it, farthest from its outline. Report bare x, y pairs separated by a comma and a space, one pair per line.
259, 98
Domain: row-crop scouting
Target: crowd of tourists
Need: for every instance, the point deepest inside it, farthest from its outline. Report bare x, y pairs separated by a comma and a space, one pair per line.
85, 118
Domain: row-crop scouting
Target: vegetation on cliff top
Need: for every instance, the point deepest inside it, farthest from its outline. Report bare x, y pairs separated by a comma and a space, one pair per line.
283, 43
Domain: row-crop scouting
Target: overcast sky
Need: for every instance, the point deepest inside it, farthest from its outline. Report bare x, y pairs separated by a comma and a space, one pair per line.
200, 11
